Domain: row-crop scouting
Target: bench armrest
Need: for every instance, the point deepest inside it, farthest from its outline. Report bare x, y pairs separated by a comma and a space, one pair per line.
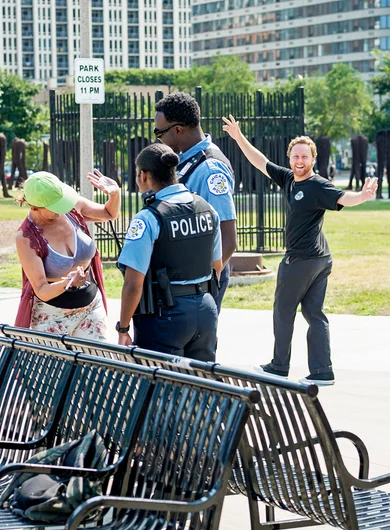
364, 459
360, 447
62, 471
26, 446
129, 503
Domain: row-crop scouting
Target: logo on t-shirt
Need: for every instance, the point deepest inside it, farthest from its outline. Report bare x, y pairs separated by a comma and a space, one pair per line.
299, 196
218, 184
136, 229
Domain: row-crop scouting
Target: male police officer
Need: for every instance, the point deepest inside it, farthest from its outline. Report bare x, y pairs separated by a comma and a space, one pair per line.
169, 253
203, 168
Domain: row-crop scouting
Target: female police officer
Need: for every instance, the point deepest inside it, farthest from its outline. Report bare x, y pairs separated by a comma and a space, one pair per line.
170, 250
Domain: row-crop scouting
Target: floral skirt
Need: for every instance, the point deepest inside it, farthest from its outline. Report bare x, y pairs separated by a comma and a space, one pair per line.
89, 322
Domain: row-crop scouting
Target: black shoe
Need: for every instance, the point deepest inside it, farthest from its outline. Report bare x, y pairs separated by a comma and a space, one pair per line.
269, 370
319, 379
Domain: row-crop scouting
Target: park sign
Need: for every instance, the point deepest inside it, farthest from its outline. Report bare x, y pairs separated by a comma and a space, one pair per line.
89, 80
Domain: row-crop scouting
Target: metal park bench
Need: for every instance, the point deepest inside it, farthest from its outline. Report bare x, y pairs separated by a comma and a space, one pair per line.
171, 439
290, 457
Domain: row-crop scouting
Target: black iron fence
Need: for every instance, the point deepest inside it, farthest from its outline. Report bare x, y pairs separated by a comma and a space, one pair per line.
123, 125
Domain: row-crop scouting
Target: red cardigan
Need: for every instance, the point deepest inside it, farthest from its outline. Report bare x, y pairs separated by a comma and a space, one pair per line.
39, 244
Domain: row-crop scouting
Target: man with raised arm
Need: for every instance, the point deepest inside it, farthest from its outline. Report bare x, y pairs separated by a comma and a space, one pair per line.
304, 270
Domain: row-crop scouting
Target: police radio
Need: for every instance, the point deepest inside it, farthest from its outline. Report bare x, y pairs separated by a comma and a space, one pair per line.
148, 197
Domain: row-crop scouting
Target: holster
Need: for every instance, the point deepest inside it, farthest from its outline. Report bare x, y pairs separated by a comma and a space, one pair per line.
165, 288
214, 284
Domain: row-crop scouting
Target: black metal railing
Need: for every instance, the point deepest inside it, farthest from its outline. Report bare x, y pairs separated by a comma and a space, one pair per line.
123, 125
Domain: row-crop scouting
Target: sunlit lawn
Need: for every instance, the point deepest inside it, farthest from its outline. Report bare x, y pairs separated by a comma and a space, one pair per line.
360, 282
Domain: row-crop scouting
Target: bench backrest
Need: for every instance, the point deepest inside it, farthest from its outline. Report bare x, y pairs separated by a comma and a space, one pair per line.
33, 384
49, 397
107, 396
294, 460
189, 434
187, 445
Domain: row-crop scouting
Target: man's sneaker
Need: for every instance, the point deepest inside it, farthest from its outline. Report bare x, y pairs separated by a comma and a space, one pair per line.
269, 370
319, 379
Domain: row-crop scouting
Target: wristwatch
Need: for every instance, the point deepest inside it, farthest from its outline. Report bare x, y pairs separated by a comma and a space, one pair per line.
121, 330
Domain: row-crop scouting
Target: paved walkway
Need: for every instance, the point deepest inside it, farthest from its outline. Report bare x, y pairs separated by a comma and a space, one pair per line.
358, 402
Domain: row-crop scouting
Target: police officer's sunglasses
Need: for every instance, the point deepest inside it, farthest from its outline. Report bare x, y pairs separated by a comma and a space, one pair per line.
158, 133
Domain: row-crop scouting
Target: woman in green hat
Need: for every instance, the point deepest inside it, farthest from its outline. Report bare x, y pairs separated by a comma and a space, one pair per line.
62, 274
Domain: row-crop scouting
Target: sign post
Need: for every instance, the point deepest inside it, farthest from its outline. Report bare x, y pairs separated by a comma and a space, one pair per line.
87, 84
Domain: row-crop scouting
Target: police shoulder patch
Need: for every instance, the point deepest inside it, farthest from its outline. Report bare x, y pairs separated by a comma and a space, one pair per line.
136, 229
218, 184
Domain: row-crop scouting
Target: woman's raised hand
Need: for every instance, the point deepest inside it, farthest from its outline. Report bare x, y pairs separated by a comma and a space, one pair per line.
231, 127
103, 183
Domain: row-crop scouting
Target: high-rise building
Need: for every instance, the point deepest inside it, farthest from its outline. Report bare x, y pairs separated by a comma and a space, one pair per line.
282, 37
39, 39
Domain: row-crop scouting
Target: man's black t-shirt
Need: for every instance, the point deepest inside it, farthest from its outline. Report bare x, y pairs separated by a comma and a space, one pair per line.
306, 204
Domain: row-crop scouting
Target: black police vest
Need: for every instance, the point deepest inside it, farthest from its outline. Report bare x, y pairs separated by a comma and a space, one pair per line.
188, 166
186, 241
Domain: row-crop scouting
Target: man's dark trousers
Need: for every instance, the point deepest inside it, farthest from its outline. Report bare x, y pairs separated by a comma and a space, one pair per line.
302, 281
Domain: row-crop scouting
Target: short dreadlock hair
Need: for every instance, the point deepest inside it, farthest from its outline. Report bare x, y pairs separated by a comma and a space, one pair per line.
180, 107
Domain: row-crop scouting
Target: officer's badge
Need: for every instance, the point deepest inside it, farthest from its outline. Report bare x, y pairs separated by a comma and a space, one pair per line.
299, 196
136, 229
218, 184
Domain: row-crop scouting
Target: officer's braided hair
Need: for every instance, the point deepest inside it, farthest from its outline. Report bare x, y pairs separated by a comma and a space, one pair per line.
160, 161
181, 108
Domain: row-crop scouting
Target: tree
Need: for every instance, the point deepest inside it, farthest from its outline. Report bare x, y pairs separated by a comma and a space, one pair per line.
18, 111
225, 73
338, 104
381, 83
380, 117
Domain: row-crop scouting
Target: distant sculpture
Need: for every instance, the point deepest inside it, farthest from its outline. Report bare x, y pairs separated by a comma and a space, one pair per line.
383, 159
3, 149
323, 154
18, 150
359, 144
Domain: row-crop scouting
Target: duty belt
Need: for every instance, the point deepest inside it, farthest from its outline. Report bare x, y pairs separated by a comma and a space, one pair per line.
190, 288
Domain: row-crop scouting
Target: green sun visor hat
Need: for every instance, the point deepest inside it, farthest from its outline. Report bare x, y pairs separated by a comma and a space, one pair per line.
45, 190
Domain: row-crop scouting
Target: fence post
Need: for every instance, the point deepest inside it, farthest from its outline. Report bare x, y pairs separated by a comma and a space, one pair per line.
53, 132
198, 96
301, 110
158, 95
260, 195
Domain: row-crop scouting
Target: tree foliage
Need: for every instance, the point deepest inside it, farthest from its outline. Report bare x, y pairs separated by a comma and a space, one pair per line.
18, 111
338, 104
223, 74
381, 83
380, 117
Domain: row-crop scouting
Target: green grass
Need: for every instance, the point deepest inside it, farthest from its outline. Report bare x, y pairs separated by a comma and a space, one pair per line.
359, 239
11, 211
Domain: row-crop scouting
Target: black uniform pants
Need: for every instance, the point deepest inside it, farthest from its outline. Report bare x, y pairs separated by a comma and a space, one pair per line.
302, 281
188, 329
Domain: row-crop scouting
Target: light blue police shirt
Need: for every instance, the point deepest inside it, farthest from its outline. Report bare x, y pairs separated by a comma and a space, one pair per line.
212, 180
144, 230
